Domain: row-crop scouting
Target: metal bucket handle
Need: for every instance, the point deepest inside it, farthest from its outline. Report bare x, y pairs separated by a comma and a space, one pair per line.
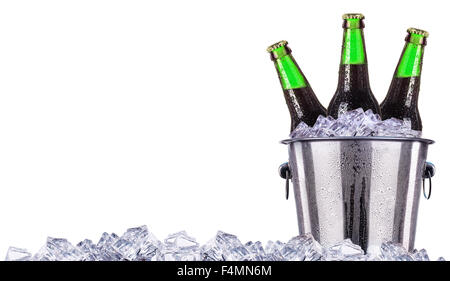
285, 173
428, 173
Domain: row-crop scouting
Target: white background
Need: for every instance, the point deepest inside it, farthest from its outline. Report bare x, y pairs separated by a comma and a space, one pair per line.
115, 114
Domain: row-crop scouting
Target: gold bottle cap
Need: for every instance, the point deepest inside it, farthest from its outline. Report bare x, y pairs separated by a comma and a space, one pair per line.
276, 45
352, 16
418, 31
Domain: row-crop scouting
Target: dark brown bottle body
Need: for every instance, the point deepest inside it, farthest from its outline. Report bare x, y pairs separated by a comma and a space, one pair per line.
402, 101
303, 106
353, 91
302, 103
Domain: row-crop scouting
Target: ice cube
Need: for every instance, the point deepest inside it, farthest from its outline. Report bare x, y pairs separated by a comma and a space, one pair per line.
181, 241
150, 248
106, 251
58, 249
139, 244
180, 247
211, 252
373, 117
225, 246
356, 123
129, 244
89, 250
273, 251
302, 248
256, 251
344, 250
17, 254
394, 252
323, 121
301, 131
420, 255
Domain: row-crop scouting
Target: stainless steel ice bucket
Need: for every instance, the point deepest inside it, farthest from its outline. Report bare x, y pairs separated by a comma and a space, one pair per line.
363, 188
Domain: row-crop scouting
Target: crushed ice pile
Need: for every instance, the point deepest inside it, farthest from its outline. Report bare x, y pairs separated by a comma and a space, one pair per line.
355, 123
138, 244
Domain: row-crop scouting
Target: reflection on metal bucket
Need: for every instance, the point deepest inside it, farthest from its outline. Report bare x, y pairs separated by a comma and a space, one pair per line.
363, 188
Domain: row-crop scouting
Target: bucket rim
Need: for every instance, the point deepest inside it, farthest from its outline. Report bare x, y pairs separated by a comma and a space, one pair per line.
400, 139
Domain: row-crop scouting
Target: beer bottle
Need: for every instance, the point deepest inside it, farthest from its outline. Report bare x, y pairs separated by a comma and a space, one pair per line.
402, 96
353, 90
302, 103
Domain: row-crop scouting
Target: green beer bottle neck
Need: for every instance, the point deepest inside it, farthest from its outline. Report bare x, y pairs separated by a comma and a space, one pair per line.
353, 49
291, 77
410, 63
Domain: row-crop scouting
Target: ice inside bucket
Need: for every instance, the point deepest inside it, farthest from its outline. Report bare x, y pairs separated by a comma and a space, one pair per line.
363, 188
